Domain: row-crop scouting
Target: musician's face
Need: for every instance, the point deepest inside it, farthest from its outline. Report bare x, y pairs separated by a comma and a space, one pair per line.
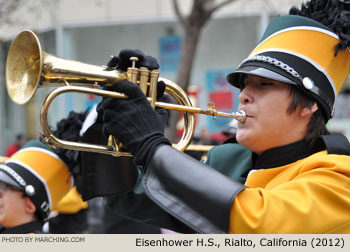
268, 123
14, 208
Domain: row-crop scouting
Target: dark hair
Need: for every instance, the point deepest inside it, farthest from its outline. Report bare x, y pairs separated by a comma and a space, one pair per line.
37, 214
317, 123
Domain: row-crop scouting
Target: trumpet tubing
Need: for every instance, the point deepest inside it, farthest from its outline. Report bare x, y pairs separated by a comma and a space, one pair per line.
29, 68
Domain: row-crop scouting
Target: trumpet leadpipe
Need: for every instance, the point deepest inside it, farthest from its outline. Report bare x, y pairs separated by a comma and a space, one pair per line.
239, 116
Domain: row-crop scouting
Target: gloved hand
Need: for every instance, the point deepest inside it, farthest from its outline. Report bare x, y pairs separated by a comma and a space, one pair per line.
122, 62
133, 122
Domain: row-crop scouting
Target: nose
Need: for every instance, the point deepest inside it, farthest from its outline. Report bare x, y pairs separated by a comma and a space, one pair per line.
245, 96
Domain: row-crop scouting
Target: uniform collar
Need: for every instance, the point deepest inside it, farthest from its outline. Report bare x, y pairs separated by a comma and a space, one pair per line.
282, 155
31, 227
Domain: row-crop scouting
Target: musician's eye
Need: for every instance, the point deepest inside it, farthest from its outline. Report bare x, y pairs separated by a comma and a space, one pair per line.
264, 83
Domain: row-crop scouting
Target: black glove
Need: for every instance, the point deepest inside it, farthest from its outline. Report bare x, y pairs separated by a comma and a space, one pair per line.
122, 62
133, 122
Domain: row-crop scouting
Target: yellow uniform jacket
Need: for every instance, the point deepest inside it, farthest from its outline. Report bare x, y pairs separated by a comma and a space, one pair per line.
310, 195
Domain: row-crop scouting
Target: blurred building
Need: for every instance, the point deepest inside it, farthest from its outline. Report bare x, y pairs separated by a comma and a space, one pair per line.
91, 30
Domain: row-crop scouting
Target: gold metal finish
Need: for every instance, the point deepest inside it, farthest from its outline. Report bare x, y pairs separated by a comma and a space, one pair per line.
28, 68
49, 137
199, 147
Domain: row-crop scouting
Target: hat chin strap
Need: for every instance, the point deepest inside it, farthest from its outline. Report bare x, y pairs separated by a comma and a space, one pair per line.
14, 176
16, 180
275, 62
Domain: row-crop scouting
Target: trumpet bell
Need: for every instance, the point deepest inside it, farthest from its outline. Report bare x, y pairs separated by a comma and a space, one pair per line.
23, 67
28, 68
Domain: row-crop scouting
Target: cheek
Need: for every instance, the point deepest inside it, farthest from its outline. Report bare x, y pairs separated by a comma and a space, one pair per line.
258, 133
4, 212
14, 205
2, 209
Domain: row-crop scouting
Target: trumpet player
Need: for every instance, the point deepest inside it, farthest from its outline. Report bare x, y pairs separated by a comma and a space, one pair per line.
298, 180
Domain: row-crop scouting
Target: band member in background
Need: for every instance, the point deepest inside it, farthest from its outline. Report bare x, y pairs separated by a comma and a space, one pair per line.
14, 147
69, 216
299, 178
32, 182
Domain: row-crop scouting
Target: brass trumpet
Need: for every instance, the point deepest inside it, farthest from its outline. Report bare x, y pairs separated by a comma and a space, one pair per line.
28, 68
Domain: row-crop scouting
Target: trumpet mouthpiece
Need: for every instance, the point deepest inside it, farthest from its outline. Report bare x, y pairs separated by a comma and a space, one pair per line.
240, 116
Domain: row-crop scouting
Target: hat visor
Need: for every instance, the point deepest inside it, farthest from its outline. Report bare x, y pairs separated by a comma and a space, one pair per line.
236, 78
8, 180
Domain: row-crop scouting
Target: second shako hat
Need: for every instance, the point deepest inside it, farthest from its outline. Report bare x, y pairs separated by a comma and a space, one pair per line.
40, 174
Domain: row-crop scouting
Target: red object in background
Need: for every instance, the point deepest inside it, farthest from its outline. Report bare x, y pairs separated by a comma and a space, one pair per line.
12, 149
218, 137
222, 99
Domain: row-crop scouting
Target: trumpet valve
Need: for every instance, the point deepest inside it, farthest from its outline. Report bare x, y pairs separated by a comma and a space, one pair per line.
133, 72
133, 61
46, 141
211, 109
143, 82
153, 82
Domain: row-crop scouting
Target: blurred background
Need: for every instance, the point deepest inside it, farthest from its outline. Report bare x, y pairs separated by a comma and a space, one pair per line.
197, 43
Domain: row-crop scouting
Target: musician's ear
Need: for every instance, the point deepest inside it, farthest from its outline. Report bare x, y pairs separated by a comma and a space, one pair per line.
29, 205
309, 111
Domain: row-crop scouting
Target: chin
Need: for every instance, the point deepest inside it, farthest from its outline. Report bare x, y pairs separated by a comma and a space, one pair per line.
243, 139
247, 140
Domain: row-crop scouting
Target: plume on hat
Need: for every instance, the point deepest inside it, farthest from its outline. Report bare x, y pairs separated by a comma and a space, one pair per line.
68, 129
335, 14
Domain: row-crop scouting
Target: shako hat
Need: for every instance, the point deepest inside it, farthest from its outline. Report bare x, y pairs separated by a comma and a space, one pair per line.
39, 173
301, 51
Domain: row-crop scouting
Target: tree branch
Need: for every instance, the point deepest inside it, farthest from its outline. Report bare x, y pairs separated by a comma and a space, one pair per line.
218, 6
181, 17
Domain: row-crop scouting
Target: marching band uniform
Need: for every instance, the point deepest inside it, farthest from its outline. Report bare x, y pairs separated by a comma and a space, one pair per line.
42, 176
307, 182
70, 215
34, 227
302, 187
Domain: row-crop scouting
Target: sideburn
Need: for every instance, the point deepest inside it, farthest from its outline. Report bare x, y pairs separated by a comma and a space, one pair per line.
317, 123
